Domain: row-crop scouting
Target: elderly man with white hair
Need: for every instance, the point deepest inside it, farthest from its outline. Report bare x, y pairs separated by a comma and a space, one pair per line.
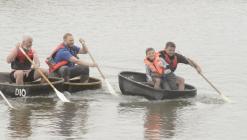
22, 69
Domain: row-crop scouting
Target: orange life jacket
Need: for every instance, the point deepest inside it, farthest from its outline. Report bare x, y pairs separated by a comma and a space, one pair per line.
21, 62
155, 66
50, 62
172, 63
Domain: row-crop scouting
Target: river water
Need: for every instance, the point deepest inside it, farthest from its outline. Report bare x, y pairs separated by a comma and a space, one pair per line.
211, 32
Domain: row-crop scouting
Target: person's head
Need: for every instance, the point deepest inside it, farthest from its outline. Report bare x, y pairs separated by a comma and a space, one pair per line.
68, 39
150, 53
27, 41
170, 48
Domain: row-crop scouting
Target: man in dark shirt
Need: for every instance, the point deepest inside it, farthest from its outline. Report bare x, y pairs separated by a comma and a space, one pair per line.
173, 58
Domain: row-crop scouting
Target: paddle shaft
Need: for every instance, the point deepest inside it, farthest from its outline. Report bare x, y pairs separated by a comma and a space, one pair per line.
6, 100
210, 83
102, 75
110, 88
40, 72
205, 78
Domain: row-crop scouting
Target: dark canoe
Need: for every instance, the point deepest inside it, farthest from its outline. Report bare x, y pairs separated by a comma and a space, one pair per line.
29, 89
74, 85
133, 83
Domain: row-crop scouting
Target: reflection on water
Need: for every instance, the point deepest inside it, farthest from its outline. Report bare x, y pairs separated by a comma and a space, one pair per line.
20, 125
160, 117
64, 120
71, 119
21, 119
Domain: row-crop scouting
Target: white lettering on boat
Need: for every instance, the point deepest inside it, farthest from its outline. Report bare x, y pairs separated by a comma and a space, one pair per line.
20, 92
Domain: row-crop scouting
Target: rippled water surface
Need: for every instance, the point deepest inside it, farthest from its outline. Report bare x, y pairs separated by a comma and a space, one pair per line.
211, 32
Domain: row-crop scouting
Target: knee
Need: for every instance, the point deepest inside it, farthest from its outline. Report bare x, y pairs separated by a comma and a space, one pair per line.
87, 70
84, 70
63, 69
157, 80
181, 80
44, 71
19, 74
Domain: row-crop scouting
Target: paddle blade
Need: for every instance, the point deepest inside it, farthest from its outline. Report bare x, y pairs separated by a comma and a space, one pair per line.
61, 96
6, 100
111, 90
225, 98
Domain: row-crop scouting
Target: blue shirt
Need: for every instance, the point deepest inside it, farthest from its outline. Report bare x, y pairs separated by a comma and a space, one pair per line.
65, 54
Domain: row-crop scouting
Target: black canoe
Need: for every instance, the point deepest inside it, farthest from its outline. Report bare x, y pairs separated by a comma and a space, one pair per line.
133, 83
74, 84
29, 89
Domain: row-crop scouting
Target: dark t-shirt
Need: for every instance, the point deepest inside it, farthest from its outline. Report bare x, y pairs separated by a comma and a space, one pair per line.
180, 58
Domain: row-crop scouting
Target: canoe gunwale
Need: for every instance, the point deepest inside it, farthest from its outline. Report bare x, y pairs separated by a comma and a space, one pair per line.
35, 88
74, 85
151, 88
133, 83
97, 82
57, 81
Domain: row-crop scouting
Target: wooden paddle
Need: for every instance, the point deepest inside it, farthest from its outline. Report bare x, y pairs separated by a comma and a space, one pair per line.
59, 94
210, 83
6, 100
110, 88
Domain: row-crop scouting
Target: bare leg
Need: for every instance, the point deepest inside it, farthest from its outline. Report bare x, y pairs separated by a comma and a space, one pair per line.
151, 83
64, 73
171, 80
71, 72
180, 81
82, 71
165, 85
19, 75
37, 75
157, 83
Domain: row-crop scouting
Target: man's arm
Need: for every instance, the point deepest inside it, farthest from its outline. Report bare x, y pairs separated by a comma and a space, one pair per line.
11, 57
185, 60
195, 65
80, 62
65, 55
36, 59
164, 63
83, 49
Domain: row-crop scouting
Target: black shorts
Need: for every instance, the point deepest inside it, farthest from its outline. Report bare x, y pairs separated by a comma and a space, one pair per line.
27, 78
